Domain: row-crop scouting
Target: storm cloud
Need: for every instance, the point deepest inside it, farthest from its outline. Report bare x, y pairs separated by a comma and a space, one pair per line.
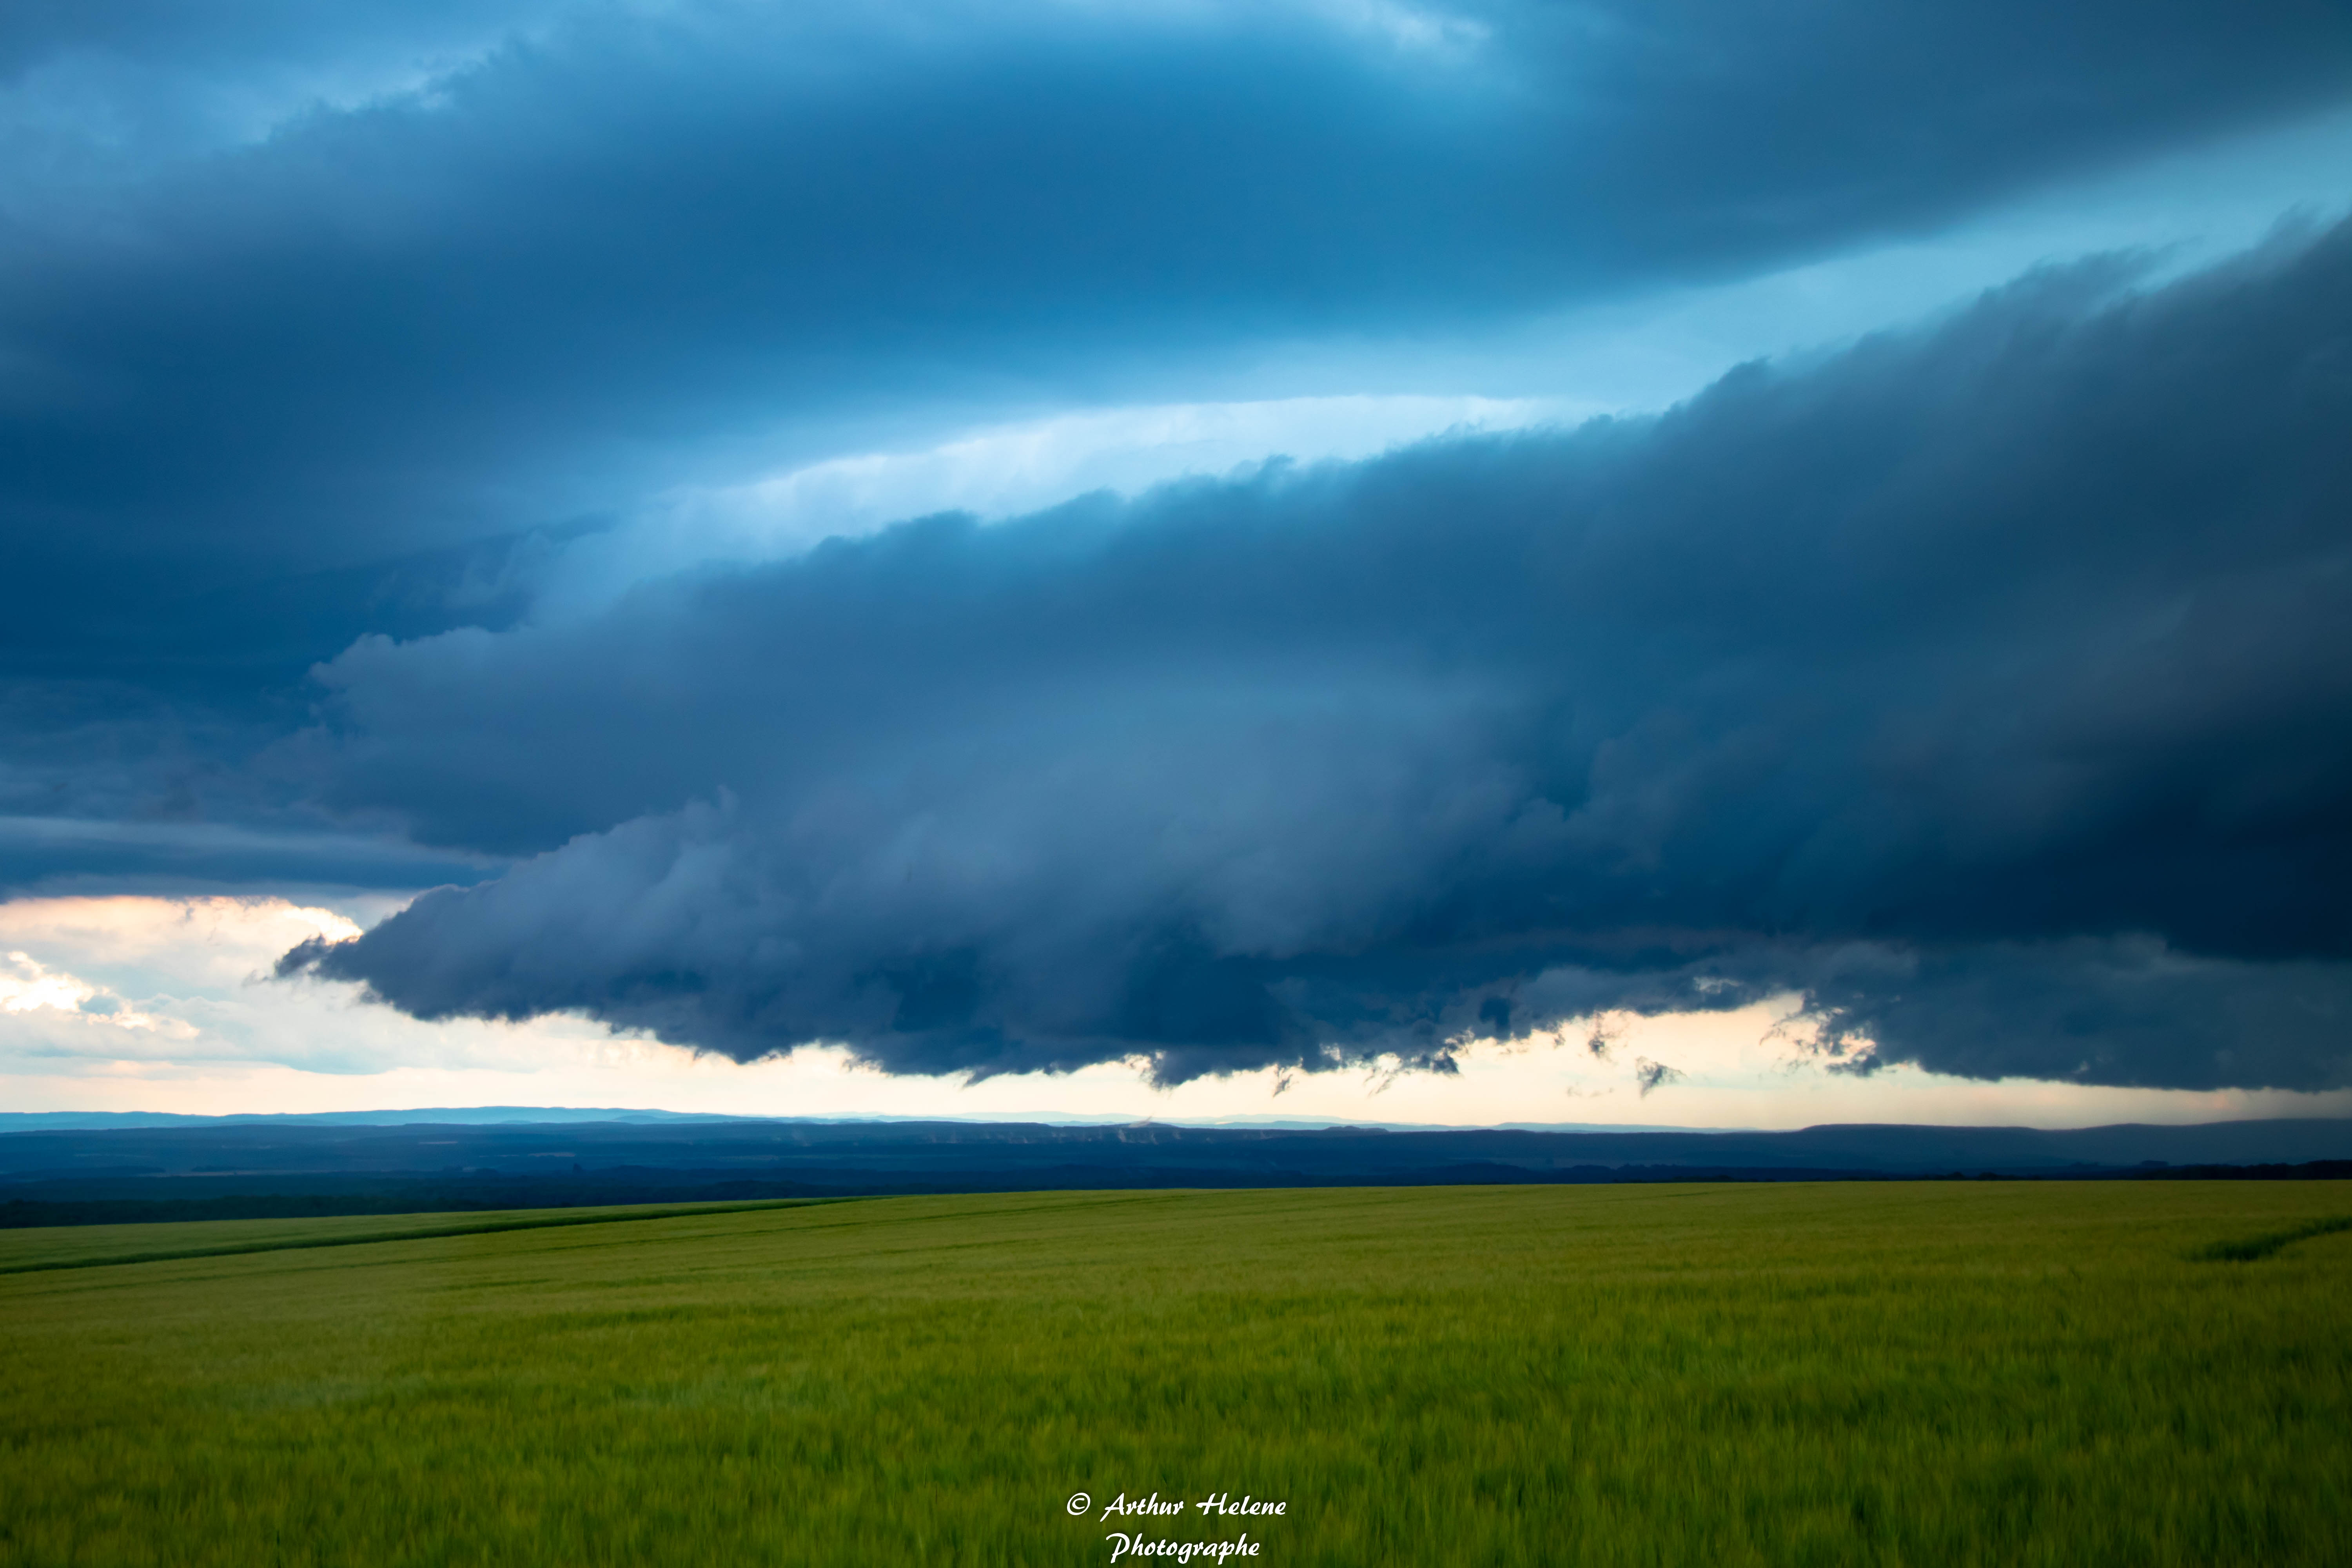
1989, 685
287, 293
368, 372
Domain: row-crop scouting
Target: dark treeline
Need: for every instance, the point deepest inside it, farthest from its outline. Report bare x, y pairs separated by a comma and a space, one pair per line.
252, 1170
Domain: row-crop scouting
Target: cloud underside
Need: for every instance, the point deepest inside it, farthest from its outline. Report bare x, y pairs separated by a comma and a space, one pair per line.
1988, 686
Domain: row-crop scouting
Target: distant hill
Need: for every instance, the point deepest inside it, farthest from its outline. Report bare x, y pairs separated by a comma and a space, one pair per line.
516, 1157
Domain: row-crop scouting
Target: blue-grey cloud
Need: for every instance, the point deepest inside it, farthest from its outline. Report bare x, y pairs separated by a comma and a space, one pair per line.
611, 240
1991, 685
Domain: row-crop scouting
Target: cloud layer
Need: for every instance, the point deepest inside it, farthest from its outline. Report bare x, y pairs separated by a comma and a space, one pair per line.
466, 274
1991, 685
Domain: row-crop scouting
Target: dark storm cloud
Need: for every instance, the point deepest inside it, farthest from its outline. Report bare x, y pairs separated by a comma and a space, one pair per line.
151, 705
2083, 1009
1991, 685
292, 350
626, 234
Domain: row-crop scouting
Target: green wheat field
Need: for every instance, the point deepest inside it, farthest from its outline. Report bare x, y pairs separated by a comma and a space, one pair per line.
1930, 1373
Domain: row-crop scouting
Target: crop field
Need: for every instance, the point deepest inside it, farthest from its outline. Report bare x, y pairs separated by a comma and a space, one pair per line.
1925, 1374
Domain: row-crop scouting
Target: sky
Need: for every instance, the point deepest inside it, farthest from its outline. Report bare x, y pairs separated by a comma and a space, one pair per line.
1675, 565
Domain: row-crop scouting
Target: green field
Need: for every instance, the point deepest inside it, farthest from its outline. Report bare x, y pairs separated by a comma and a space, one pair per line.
1926, 1374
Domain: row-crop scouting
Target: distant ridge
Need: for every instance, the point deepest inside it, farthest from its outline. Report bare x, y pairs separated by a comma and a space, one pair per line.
159, 1167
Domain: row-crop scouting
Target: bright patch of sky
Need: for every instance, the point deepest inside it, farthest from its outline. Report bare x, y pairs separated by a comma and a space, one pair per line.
2177, 214
1003, 471
143, 1004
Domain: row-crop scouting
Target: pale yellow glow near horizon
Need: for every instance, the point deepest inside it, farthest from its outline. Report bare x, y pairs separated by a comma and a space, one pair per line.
215, 1035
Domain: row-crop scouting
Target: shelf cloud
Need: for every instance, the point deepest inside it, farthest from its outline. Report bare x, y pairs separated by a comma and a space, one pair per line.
1987, 684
